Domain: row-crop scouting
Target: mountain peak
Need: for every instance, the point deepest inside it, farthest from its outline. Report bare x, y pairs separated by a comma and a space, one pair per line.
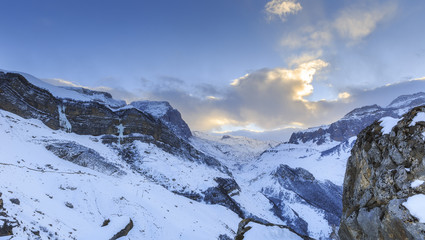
356, 120
408, 100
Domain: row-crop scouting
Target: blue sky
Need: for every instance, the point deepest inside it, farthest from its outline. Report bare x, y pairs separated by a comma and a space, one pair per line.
256, 64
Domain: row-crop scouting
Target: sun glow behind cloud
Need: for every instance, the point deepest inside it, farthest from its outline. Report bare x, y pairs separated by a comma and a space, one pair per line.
311, 46
344, 95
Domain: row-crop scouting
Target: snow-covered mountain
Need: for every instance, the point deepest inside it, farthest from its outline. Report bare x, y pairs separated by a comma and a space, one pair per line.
355, 121
78, 164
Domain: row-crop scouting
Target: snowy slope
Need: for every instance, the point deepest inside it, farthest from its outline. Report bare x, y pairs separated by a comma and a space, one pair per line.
44, 184
68, 184
66, 201
234, 151
57, 183
261, 191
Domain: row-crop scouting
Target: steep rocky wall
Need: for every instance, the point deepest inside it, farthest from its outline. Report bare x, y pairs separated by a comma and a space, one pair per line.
19, 96
378, 181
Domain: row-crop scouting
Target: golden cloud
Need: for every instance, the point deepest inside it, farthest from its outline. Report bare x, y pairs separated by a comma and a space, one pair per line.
344, 95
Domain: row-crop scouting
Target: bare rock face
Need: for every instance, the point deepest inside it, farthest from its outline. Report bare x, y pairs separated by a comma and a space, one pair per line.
117, 124
124, 231
324, 196
83, 156
378, 181
19, 96
166, 114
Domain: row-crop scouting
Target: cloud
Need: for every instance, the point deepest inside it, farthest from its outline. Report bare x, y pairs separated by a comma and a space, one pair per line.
60, 82
344, 95
352, 24
421, 78
268, 98
357, 23
276, 98
308, 37
282, 8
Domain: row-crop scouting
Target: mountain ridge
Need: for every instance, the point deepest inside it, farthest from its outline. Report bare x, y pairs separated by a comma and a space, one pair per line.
356, 120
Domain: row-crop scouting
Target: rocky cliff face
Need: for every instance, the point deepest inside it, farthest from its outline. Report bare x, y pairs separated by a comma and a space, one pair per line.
117, 123
166, 114
19, 96
323, 196
385, 170
355, 121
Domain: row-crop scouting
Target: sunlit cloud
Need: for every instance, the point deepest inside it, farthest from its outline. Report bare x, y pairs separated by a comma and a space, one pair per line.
344, 95
422, 78
212, 98
357, 23
267, 99
296, 82
282, 8
60, 82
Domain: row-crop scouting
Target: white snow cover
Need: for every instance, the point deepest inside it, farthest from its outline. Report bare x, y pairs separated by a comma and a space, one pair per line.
313, 129
387, 124
416, 183
420, 117
307, 156
254, 174
44, 184
234, 150
64, 93
405, 100
156, 108
262, 232
416, 206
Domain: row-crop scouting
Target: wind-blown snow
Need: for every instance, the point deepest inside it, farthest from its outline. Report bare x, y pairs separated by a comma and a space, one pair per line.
416, 183
387, 124
420, 117
416, 206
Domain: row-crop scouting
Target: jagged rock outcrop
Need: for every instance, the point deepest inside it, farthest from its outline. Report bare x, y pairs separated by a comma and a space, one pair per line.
355, 121
222, 195
379, 178
324, 196
243, 228
165, 113
83, 156
7, 223
124, 231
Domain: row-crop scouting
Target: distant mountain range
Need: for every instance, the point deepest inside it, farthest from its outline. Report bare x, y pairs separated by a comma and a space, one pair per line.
78, 164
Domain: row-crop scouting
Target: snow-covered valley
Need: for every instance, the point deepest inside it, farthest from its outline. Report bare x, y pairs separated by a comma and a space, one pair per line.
139, 173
